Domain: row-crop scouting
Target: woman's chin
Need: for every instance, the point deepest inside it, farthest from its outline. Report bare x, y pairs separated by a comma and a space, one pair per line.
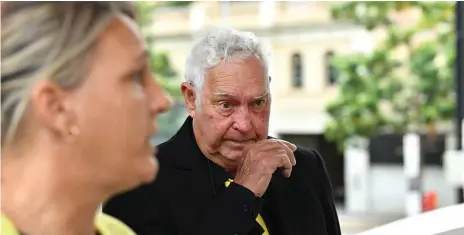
148, 170
143, 172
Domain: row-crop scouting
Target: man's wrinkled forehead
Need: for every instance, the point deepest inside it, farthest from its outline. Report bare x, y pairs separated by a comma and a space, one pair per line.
230, 87
241, 75
229, 94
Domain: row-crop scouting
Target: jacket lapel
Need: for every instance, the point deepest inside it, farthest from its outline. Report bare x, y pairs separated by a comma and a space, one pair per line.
190, 176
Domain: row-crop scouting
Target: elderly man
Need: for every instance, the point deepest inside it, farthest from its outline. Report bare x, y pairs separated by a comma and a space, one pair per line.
221, 174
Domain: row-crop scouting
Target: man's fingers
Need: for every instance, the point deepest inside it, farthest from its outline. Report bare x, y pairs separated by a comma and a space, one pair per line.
288, 148
282, 151
292, 158
286, 172
274, 144
273, 141
286, 165
291, 154
290, 145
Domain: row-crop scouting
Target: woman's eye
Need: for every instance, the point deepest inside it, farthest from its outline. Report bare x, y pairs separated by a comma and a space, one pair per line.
138, 77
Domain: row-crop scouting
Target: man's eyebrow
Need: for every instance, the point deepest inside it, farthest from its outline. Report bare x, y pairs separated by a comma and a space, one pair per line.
225, 94
220, 93
262, 96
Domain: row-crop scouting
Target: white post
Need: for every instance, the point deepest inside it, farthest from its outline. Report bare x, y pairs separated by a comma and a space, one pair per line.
357, 164
412, 171
453, 164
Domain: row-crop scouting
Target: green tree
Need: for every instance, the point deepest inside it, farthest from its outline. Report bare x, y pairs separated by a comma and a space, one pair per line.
176, 3
159, 60
381, 93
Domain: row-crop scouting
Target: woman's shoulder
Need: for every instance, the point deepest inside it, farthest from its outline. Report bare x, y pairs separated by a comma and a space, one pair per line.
8, 227
105, 225
108, 225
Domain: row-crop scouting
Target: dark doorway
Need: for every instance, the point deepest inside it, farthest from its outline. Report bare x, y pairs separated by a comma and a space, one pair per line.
333, 159
388, 149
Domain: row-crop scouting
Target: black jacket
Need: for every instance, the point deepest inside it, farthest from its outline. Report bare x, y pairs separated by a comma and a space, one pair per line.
188, 197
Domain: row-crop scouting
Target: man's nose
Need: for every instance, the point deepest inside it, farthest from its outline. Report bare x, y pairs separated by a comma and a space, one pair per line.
242, 120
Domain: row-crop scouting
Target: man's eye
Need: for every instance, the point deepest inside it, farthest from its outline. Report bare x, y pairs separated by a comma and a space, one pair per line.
225, 105
259, 102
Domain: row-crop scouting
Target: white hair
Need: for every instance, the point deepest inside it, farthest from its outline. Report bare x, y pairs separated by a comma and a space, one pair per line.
220, 44
46, 40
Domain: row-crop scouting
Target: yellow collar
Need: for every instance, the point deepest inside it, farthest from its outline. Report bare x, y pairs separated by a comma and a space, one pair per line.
104, 224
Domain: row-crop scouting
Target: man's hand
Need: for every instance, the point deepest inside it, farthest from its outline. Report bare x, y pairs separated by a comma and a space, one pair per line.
261, 160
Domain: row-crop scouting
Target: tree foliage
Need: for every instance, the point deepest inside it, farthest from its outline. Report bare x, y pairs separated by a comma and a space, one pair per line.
159, 60
176, 3
169, 122
381, 92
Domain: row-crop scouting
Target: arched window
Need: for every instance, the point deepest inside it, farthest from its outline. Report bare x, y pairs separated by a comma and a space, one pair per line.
331, 71
297, 70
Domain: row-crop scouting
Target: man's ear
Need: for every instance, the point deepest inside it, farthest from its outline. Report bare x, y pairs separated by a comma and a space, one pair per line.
188, 91
48, 101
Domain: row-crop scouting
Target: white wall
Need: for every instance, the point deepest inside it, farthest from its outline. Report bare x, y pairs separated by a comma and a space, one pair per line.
387, 188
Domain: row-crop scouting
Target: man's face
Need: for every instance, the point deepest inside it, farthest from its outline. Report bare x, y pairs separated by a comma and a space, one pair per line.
235, 108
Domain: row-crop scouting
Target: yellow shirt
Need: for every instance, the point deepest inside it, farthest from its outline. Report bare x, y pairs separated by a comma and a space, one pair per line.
104, 225
259, 218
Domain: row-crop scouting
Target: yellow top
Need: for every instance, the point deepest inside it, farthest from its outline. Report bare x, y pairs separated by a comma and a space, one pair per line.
104, 225
259, 218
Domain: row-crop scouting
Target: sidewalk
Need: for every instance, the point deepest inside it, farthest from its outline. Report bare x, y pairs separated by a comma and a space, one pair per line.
354, 223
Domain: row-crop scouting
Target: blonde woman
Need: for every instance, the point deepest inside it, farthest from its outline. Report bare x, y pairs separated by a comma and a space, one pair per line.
78, 108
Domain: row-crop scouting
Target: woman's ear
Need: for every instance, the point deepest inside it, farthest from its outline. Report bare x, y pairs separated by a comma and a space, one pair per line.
52, 109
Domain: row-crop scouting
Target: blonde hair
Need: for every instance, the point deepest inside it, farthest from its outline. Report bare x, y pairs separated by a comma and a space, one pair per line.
46, 40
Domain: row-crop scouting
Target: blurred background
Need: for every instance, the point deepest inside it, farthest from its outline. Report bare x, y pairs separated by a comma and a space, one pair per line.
370, 85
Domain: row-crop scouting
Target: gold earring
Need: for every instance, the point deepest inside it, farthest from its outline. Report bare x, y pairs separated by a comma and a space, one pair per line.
74, 131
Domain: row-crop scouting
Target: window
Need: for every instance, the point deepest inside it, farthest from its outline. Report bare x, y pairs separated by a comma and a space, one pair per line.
297, 71
332, 74
388, 149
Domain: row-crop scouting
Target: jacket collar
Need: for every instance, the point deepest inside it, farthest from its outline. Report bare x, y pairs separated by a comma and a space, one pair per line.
188, 155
